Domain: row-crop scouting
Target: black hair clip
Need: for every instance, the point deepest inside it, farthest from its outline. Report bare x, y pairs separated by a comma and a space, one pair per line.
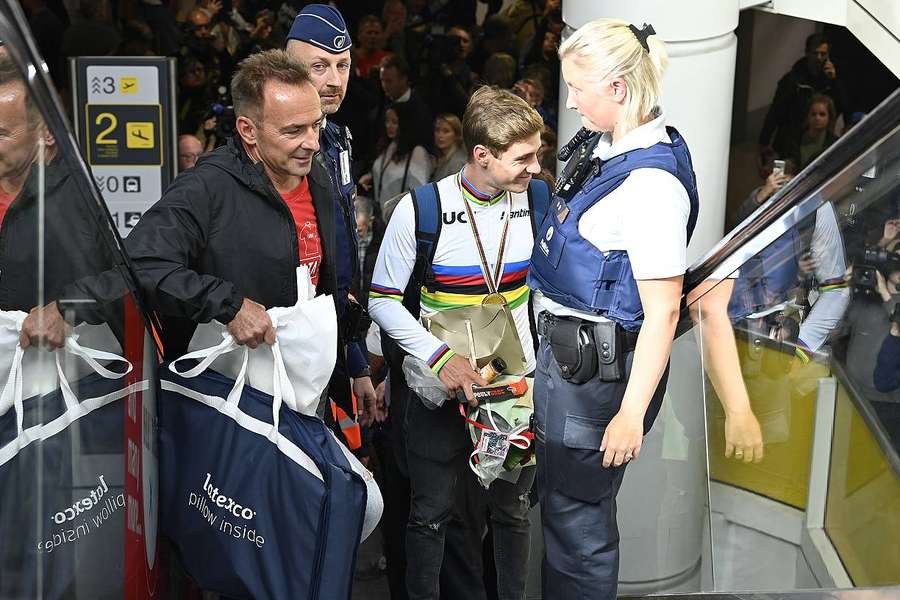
642, 34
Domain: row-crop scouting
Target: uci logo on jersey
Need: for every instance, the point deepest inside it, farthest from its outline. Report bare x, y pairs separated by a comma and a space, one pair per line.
450, 218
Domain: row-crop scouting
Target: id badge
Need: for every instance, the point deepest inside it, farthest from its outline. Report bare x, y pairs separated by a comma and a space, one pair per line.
345, 167
562, 210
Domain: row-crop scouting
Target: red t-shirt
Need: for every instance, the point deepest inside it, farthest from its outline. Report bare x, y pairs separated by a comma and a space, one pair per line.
299, 200
5, 201
364, 64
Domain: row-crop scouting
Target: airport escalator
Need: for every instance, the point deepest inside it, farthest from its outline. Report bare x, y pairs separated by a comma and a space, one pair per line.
784, 349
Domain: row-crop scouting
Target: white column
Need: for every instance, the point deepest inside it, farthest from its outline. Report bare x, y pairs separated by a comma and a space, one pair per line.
697, 90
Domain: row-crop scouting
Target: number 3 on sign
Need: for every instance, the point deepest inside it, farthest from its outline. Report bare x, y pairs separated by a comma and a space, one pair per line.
102, 137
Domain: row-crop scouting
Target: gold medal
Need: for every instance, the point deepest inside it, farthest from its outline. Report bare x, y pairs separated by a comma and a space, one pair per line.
495, 298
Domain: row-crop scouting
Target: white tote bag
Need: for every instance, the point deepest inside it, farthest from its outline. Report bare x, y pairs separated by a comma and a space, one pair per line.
306, 334
41, 371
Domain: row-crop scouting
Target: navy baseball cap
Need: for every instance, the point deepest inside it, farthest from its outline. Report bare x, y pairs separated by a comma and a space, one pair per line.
323, 26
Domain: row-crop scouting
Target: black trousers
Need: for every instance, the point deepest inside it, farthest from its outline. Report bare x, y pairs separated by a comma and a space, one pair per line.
577, 493
443, 495
461, 572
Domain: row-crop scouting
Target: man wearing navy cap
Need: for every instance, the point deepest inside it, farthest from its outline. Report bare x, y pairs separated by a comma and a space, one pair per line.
319, 39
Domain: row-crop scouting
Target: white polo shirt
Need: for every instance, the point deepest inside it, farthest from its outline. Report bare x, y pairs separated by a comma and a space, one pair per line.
646, 216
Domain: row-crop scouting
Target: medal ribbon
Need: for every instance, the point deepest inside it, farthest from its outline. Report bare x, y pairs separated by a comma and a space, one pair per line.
493, 283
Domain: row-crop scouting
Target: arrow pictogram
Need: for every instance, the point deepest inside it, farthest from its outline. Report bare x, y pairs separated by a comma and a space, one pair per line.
95, 85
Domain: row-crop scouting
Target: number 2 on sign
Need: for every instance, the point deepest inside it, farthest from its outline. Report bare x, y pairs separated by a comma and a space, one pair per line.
113, 122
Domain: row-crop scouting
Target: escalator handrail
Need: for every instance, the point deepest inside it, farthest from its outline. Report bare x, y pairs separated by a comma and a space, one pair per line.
876, 126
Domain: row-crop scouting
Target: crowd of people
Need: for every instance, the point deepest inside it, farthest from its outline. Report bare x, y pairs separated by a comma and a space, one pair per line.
842, 269
427, 55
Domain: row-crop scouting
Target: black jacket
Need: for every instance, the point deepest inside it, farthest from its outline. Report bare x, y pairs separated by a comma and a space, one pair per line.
220, 233
74, 247
786, 118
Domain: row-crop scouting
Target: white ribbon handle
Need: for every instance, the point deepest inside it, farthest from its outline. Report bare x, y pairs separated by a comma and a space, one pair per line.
14, 388
15, 385
206, 356
281, 385
90, 356
234, 396
278, 371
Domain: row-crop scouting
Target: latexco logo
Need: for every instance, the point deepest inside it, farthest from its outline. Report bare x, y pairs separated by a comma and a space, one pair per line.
83, 505
225, 502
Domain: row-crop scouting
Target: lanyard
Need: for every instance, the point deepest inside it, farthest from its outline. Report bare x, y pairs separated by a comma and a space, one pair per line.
493, 283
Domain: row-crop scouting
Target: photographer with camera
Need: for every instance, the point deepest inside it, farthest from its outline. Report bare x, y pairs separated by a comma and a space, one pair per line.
219, 122
194, 96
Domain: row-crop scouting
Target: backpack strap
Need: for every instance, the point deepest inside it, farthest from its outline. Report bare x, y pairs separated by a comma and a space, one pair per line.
427, 206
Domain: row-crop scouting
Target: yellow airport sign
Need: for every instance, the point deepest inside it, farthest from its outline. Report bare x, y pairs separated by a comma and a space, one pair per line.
139, 135
128, 85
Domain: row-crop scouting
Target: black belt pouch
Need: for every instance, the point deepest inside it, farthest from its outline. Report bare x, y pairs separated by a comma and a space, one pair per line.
572, 344
609, 340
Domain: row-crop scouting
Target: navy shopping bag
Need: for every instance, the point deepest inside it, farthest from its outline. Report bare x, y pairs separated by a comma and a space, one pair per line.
260, 501
62, 504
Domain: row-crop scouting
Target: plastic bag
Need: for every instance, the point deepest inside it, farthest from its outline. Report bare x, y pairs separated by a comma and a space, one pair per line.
422, 380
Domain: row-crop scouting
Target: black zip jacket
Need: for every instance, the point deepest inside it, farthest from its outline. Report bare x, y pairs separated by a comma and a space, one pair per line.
74, 248
220, 233
786, 117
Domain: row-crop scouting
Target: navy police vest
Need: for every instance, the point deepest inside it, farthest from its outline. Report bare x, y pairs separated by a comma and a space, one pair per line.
333, 140
570, 270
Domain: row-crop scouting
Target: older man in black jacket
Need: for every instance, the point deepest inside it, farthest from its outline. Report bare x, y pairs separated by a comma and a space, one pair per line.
38, 192
226, 238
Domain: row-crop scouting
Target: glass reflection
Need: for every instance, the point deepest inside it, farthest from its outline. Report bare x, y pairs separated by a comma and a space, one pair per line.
805, 337
742, 433
796, 290
71, 357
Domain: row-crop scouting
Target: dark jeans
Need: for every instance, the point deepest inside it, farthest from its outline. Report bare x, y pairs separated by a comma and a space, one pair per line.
577, 493
438, 448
